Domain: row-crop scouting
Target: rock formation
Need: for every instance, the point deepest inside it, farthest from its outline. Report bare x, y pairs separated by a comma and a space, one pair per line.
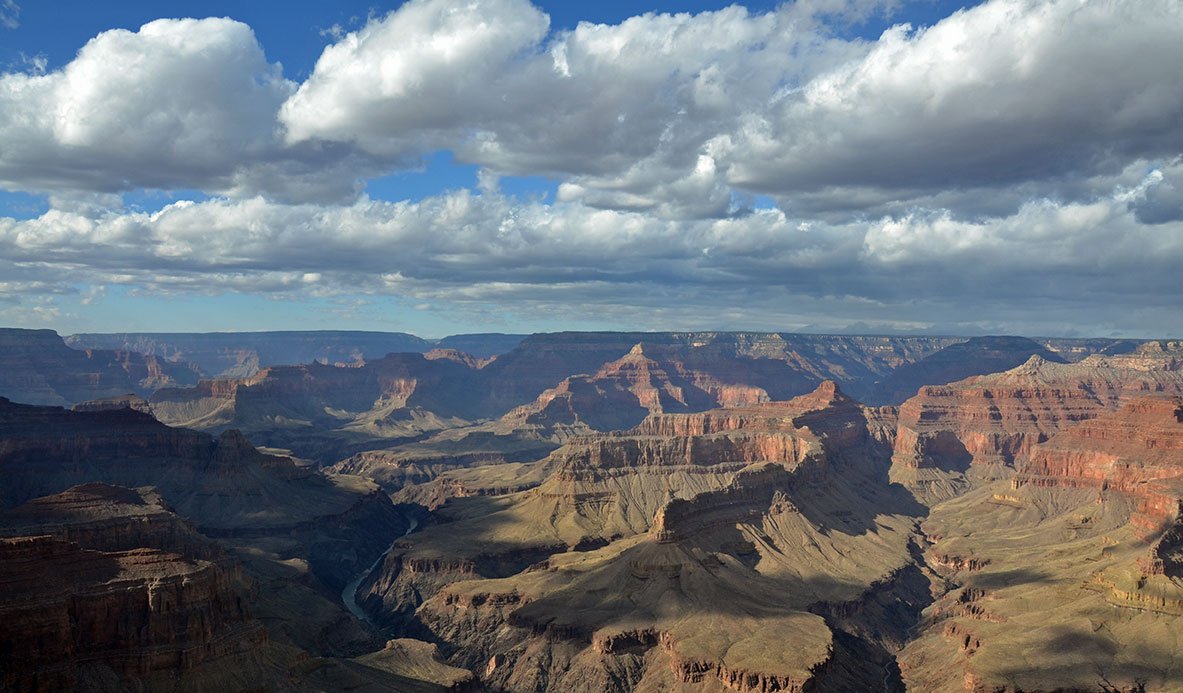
241, 354
223, 570
612, 570
103, 585
605, 512
982, 426
1066, 576
37, 367
128, 401
977, 356
224, 486
321, 411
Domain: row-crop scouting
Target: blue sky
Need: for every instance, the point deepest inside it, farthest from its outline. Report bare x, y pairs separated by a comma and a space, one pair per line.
808, 166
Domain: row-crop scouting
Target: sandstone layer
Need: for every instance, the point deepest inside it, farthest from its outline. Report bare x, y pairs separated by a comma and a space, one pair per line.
981, 427
37, 367
1067, 576
103, 587
677, 553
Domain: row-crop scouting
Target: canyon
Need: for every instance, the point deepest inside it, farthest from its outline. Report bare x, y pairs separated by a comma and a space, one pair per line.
701, 511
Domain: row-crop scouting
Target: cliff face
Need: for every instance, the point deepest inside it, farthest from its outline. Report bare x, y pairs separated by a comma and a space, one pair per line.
976, 356
543, 360
129, 401
103, 584
37, 367
985, 425
655, 380
1137, 449
1088, 528
613, 570
224, 485
321, 411
132, 612
241, 354
547, 388
108, 518
165, 587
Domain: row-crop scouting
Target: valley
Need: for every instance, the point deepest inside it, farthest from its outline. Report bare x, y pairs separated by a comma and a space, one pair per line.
594, 512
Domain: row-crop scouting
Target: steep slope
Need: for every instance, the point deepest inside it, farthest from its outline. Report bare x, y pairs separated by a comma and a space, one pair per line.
566, 384
320, 411
543, 360
224, 486
979, 428
1069, 576
241, 354
37, 367
685, 551
977, 356
654, 380
103, 587
482, 345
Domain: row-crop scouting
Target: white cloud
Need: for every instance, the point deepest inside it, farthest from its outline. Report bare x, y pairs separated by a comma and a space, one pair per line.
625, 110
427, 67
670, 114
1022, 157
180, 103
1008, 92
1076, 261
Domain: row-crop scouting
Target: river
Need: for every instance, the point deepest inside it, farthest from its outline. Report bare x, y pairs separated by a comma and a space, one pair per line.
349, 594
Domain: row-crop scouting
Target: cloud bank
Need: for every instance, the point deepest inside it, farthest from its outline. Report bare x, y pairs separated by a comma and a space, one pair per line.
1017, 166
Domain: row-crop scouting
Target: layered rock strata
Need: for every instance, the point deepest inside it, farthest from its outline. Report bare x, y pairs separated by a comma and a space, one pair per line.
983, 426
1089, 522
37, 367
610, 572
103, 587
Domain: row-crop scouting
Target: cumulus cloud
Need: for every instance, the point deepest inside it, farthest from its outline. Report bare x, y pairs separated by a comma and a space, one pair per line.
672, 113
625, 110
177, 104
428, 66
1022, 157
1065, 260
1008, 92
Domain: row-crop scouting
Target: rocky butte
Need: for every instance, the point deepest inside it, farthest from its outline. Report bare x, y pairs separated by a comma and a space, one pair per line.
595, 512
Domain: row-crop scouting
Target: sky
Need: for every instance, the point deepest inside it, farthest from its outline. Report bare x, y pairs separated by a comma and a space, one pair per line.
447, 166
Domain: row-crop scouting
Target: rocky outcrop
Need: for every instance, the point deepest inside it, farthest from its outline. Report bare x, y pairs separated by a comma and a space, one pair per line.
128, 401
225, 486
976, 356
658, 379
322, 412
68, 611
794, 360
103, 587
457, 356
37, 367
1136, 450
983, 426
604, 573
1087, 527
241, 354
108, 518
